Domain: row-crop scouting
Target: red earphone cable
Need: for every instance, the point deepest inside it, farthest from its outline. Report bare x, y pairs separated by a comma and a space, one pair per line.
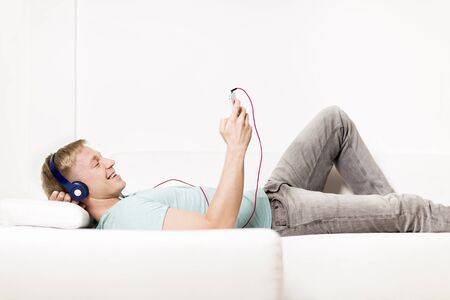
260, 162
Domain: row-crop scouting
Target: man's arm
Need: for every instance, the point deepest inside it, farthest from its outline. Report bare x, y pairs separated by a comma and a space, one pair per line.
177, 219
224, 208
236, 132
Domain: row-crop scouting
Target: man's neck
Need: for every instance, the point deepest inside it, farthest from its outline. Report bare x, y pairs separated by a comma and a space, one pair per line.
97, 207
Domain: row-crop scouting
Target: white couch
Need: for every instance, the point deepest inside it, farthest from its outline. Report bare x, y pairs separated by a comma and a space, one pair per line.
53, 263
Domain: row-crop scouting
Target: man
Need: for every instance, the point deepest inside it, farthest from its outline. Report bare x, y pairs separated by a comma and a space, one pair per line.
291, 202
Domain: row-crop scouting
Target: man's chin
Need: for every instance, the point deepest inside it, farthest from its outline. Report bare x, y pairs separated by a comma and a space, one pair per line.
123, 185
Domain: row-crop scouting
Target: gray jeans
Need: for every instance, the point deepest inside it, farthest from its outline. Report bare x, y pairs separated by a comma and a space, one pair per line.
299, 205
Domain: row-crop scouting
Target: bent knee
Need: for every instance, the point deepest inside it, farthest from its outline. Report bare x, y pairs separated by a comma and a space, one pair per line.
333, 110
335, 114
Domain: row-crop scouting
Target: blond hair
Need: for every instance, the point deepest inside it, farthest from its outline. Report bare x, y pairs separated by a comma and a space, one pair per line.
64, 159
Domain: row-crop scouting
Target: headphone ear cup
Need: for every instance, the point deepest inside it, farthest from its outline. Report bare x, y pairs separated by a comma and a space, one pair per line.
79, 191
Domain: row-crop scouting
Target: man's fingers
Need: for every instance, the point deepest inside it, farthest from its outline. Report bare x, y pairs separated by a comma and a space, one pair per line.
242, 115
53, 195
67, 198
60, 196
236, 106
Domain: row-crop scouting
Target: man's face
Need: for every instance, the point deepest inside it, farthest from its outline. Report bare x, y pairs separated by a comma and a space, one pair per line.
97, 173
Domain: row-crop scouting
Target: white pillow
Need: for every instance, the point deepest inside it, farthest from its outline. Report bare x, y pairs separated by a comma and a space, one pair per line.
43, 213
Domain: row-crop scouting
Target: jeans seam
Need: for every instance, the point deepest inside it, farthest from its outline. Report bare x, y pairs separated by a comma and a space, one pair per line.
379, 217
362, 167
320, 155
318, 221
357, 158
345, 218
357, 217
292, 169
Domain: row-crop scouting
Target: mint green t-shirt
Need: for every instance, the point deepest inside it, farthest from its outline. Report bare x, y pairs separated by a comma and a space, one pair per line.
147, 209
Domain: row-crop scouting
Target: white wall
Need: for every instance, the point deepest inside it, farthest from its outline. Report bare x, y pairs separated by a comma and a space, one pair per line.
155, 75
36, 89
13, 96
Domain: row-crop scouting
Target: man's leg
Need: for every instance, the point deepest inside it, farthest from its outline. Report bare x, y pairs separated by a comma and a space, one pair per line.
299, 207
330, 137
313, 212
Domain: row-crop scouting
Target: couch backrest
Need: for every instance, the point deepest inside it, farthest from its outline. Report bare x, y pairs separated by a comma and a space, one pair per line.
406, 173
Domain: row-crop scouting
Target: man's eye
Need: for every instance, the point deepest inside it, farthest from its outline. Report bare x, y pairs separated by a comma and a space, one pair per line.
97, 165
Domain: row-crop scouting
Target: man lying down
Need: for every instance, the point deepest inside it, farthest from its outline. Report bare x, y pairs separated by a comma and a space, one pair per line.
171, 207
292, 202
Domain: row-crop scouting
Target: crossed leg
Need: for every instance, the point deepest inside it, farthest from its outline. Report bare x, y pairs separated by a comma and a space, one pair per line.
300, 207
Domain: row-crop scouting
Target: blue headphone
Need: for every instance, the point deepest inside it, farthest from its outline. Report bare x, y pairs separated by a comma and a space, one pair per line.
77, 189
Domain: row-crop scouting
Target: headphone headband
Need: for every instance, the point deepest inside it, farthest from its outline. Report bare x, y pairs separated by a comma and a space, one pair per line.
61, 179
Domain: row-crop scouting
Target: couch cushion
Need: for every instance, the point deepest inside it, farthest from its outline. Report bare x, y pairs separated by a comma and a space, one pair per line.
143, 170
220, 264
355, 266
43, 213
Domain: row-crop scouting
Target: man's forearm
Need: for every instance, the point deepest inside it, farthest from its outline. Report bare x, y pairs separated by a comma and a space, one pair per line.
224, 209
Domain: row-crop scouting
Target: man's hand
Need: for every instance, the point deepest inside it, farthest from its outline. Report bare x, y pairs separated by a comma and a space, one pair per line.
62, 196
235, 130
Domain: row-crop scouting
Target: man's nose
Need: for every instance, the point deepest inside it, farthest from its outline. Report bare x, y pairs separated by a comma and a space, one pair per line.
110, 162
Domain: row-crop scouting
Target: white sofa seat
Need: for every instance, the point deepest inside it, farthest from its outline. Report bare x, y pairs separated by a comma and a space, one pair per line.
355, 266
49, 263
